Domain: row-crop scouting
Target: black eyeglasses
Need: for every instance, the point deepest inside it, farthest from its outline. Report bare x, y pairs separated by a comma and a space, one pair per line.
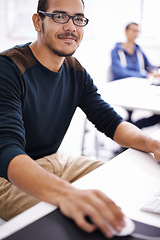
64, 18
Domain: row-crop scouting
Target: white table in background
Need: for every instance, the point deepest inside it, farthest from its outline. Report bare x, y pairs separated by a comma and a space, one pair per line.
132, 93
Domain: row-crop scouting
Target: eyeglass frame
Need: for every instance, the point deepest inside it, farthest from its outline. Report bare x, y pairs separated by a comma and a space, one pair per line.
51, 15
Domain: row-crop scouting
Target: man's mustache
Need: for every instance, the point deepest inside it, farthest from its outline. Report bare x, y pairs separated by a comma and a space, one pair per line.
68, 34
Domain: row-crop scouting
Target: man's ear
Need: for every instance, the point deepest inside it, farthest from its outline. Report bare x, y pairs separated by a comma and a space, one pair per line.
37, 21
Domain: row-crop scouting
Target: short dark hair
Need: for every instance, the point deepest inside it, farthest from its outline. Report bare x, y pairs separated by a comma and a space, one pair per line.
43, 6
131, 23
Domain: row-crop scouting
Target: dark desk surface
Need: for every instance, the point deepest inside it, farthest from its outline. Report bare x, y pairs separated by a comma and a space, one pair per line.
55, 226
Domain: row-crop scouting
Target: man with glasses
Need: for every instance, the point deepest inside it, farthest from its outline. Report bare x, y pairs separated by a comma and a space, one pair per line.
41, 85
78, 20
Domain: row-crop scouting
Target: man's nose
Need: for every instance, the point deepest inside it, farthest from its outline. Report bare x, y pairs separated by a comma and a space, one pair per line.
70, 26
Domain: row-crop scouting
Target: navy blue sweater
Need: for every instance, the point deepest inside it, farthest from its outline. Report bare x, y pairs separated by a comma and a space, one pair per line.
37, 105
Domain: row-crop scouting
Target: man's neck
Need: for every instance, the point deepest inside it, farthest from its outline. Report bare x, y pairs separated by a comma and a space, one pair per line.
129, 46
46, 57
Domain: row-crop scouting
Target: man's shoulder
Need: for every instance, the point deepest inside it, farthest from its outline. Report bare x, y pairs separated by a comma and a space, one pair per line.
72, 62
117, 46
21, 56
138, 48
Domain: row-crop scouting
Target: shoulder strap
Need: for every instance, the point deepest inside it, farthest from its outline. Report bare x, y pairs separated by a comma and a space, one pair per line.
140, 60
122, 58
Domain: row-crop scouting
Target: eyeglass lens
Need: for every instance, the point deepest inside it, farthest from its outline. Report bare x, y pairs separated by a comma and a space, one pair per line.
62, 18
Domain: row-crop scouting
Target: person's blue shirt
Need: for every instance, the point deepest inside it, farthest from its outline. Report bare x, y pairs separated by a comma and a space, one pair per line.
129, 65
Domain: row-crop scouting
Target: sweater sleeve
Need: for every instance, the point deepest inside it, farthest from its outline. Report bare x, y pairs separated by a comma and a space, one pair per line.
12, 133
99, 112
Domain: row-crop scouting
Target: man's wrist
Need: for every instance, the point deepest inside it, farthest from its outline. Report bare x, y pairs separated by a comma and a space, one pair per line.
153, 144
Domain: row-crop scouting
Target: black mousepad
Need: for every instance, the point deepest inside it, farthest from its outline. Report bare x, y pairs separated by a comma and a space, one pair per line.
55, 226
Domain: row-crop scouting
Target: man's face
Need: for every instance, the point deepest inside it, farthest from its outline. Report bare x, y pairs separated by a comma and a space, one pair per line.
62, 39
132, 32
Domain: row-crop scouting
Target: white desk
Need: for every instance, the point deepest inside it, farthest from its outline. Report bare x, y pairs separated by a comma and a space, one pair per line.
132, 93
128, 179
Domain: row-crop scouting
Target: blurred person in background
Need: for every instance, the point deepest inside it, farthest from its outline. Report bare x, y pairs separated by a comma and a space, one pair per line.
128, 60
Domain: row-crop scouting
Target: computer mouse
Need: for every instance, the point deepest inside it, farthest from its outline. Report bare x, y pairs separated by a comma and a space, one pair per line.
127, 230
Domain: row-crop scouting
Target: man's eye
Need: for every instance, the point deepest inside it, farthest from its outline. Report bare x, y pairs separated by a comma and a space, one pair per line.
79, 19
60, 17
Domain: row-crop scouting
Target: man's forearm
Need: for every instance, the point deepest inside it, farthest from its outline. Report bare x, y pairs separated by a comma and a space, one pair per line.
128, 135
31, 178
76, 204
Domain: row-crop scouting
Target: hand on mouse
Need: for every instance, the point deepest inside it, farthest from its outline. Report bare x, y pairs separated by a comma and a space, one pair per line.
77, 204
127, 230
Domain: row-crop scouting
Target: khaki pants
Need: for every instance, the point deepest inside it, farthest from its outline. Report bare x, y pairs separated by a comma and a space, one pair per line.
13, 201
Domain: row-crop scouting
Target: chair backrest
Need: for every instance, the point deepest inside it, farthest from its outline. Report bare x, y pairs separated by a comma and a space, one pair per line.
109, 74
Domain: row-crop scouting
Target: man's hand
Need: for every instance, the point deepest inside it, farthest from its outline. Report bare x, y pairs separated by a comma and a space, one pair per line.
130, 136
75, 204
156, 150
79, 204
